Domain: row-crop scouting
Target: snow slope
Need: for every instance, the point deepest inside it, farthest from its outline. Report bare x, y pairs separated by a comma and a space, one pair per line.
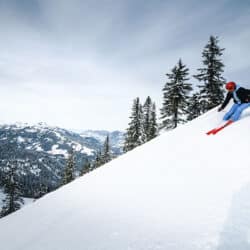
184, 190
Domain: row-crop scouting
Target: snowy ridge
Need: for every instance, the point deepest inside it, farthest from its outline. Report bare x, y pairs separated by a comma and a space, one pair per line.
116, 137
31, 135
182, 191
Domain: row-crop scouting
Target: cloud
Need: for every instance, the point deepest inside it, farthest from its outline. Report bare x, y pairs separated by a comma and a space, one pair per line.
76, 59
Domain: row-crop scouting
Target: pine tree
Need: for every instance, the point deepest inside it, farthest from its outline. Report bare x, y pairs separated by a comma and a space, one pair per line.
69, 168
175, 97
149, 120
98, 160
194, 107
43, 189
86, 168
211, 90
106, 155
153, 129
134, 134
13, 200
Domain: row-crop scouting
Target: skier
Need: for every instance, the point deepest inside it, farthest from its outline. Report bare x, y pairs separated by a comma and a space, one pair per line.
241, 97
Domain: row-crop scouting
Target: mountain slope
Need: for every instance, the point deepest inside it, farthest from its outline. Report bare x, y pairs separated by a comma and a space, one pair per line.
116, 138
184, 190
41, 150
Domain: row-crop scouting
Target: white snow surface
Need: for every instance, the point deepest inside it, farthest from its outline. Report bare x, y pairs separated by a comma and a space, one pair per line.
56, 151
183, 190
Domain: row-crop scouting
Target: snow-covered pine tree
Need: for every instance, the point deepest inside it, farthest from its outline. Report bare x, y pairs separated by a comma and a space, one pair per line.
211, 89
153, 129
106, 154
147, 106
13, 199
149, 120
194, 107
134, 134
175, 97
69, 168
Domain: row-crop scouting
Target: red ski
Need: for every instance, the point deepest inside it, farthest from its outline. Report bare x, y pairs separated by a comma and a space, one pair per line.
211, 131
216, 130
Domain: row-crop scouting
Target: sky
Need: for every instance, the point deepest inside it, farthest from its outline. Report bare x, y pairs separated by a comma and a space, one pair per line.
80, 64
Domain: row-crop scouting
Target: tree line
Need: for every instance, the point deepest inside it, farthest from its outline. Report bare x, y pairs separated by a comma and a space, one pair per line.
181, 103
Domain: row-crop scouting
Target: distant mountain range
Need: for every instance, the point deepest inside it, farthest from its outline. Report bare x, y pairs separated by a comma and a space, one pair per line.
41, 150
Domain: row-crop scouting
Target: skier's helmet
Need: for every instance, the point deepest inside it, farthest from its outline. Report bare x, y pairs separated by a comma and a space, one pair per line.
231, 86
